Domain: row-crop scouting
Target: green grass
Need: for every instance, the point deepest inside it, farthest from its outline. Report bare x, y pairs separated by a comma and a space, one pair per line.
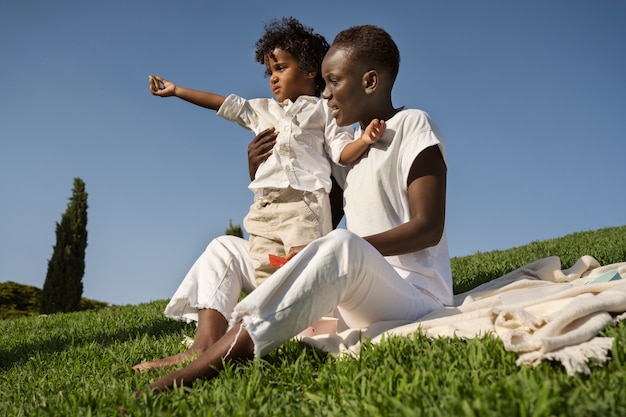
79, 364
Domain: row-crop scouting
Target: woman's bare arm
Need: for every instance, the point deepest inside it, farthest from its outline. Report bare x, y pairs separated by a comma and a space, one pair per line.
427, 203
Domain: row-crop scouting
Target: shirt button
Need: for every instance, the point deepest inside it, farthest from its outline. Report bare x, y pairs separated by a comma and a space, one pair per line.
284, 148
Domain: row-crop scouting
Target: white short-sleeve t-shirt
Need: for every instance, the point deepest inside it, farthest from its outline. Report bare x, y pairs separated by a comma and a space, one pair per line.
376, 197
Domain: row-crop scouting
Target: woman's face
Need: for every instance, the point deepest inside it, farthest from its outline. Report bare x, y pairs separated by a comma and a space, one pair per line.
344, 87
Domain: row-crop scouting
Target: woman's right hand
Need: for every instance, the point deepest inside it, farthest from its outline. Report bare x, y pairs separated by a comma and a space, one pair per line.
260, 149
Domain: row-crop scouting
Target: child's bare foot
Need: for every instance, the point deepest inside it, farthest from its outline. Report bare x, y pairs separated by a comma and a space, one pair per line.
167, 362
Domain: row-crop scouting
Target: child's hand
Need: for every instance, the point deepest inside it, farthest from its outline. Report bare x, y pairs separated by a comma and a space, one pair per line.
294, 251
169, 89
374, 131
278, 261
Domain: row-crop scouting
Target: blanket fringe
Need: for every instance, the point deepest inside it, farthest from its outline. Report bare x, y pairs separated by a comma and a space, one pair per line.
574, 358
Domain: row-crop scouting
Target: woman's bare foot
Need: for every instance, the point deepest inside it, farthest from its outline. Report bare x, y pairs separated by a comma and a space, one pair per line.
211, 327
167, 362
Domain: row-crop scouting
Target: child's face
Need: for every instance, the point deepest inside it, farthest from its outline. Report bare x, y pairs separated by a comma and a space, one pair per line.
344, 89
287, 81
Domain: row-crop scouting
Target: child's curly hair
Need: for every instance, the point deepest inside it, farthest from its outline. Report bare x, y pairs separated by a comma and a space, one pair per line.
297, 39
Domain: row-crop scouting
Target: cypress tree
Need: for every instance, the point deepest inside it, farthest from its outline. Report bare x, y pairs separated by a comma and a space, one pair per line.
233, 230
63, 287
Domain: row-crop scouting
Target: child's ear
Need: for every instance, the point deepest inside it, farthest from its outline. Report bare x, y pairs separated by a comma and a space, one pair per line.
370, 81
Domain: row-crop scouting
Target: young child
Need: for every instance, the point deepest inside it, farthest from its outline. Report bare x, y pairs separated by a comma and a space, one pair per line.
291, 187
391, 264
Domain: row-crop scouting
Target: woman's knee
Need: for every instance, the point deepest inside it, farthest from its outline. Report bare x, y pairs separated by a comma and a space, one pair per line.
340, 236
232, 244
338, 242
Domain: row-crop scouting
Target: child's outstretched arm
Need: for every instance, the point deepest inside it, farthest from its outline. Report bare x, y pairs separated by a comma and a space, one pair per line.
199, 98
354, 150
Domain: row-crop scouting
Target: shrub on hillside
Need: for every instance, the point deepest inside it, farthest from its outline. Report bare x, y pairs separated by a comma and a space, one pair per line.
18, 300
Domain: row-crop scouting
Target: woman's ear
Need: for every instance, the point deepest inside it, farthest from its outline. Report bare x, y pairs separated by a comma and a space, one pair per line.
370, 81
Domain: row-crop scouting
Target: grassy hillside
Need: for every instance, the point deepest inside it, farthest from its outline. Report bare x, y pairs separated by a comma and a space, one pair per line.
606, 245
79, 364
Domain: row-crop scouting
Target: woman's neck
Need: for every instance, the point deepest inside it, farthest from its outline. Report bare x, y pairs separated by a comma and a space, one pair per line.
384, 113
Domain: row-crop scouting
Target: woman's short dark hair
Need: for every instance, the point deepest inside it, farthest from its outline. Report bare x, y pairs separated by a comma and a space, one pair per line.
372, 46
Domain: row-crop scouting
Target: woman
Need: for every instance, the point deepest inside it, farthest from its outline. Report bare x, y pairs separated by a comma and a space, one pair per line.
391, 264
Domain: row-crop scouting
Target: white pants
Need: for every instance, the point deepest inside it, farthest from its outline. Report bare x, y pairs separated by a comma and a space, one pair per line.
338, 271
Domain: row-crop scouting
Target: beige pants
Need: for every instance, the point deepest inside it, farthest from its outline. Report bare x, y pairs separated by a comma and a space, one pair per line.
282, 219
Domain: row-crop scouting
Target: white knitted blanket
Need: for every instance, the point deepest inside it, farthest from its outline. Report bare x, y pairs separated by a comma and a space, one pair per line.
538, 311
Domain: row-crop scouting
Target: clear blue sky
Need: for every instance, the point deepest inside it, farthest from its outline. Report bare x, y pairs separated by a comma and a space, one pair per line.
530, 96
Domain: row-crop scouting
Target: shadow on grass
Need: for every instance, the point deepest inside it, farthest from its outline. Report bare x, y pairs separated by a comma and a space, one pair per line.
20, 354
292, 351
